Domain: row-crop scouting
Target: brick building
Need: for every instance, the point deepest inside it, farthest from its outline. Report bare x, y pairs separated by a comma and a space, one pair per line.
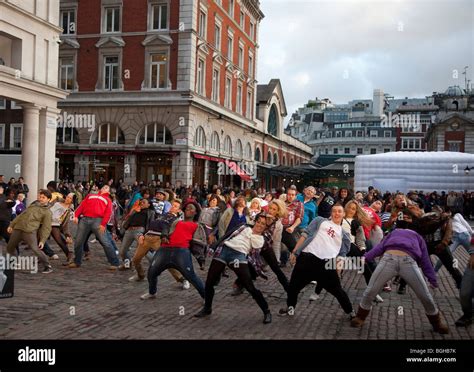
172, 92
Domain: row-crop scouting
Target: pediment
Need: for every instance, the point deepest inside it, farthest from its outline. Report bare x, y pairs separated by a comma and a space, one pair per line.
110, 41
67, 43
157, 40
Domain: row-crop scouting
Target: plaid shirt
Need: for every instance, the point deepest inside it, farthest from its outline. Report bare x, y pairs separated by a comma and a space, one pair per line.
295, 211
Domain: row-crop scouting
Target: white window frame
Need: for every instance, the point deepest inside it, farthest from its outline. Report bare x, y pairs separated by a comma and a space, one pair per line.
12, 137
155, 132
201, 77
228, 92
251, 66
215, 142
338, 134
63, 135
216, 77
348, 134
105, 77
386, 150
252, 31
230, 48
360, 133
242, 19
104, 18
248, 151
202, 24
68, 28
3, 103
238, 106
227, 145
249, 110
372, 152
151, 16
231, 8
2, 136
335, 151
108, 125
389, 132
239, 149
241, 56
361, 152
14, 106
200, 138
71, 66
456, 143
374, 134
347, 152
158, 64
217, 35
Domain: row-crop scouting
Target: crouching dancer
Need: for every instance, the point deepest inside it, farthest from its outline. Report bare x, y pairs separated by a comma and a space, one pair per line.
175, 252
233, 252
403, 250
323, 241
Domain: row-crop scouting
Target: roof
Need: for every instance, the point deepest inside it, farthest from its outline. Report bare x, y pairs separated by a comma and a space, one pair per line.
266, 91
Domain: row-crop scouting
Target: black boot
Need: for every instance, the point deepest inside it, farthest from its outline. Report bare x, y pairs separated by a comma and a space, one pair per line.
267, 318
203, 313
464, 321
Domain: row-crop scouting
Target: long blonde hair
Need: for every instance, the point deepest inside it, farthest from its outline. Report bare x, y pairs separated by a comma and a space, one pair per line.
360, 214
282, 210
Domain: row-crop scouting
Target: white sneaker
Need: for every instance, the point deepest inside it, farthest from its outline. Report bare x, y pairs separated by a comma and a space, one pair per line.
134, 278
93, 241
147, 296
314, 297
313, 282
55, 257
378, 299
186, 284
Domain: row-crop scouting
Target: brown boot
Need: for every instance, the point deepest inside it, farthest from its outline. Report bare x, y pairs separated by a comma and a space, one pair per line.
359, 320
437, 324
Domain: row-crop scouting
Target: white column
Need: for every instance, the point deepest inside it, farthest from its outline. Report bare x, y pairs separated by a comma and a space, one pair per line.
47, 146
29, 153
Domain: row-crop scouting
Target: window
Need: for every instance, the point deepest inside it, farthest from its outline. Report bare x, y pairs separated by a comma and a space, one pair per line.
284, 159
242, 19
108, 134
272, 121
454, 146
387, 133
275, 159
329, 135
14, 106
241, 57
16, 135
335, 151
373, 151
66, 73
65, 135
360, 151
386, 150
252, 31
111, 73
257, 154
411, 143
326, 151
250, 72
2, 136
215, 142
360, 133
373, 133
238, 149
228, 145
158, 70
217, 37
338, 134
239, 99
269, 157
200, 138
347, 150
249, 105
68, 21
3, 103
228, 92
160, 17
348, 133
248, 151
155, 134
231, 8
200, 77
215, 85
202, 24
111, 19
230, 46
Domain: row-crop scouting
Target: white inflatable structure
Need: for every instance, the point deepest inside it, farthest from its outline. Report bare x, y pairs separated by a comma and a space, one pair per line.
410, 170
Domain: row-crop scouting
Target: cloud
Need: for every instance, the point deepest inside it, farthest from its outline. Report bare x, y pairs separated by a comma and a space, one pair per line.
342, 50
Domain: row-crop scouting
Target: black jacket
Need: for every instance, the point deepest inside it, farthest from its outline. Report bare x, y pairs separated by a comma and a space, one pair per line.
6, 209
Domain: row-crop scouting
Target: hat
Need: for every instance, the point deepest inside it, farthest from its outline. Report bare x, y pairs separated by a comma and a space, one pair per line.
160, 191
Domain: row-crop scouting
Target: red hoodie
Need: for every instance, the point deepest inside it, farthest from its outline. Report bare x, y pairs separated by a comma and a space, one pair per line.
96, 206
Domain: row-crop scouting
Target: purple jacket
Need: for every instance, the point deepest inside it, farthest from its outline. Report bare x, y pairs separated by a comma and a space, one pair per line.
410, 242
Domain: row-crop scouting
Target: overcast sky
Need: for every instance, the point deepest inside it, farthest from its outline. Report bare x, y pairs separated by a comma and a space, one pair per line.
343, 49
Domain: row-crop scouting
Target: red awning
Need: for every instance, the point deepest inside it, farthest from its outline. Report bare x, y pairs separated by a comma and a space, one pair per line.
238, 171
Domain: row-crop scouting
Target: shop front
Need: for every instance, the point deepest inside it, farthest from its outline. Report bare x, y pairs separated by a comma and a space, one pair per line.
154, 167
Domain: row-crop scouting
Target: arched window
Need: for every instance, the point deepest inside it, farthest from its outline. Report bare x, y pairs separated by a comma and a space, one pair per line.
284, 160
228, 145
248, 151
275, 159
273, 121
291, 162
200, 138
297, 161
108, 134
66, 135
215, 142
155, 133
238, 149
257, 154
269, 157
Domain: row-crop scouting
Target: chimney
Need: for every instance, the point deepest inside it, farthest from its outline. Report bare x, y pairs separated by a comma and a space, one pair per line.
378, 104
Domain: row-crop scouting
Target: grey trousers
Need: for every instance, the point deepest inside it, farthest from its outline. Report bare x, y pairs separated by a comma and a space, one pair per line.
30, 239
406, 267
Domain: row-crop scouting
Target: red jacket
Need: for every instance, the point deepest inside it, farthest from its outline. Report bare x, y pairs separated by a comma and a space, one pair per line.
96, 206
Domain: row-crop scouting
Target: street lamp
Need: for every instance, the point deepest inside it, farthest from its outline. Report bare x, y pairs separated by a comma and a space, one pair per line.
467, 170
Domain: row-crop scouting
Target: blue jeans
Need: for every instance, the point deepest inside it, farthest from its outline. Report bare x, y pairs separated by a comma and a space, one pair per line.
230, 256
463, 239
129, 237
467, 291
174, 258
86, 225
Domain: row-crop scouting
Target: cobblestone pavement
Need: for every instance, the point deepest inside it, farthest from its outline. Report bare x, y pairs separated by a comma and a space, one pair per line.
94, 303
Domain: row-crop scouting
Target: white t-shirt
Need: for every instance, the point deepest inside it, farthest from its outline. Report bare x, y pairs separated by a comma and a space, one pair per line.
327, 242
245, 241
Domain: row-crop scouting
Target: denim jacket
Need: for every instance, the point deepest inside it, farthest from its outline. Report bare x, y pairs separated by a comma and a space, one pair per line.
310, 232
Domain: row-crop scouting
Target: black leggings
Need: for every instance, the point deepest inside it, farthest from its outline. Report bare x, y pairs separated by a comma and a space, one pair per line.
308, 268
270, 258
446, 258
59, 239
3, 230
243, 274
290, 242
